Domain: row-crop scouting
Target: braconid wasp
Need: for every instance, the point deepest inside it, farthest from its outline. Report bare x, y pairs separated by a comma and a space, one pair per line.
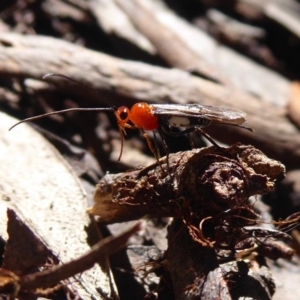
161, 118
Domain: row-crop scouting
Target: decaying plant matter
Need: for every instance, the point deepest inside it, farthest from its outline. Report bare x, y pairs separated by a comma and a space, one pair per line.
53, 277
215, 231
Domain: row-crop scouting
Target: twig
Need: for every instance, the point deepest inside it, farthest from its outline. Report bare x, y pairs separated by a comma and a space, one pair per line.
115, 23
168, 43
54, 275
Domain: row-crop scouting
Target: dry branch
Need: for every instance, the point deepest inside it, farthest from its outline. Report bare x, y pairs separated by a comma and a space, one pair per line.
161, 190
283, 12
115, 23
52, 276
275, 135
234, 29
168, 44
104, 248
239, 70
64, 9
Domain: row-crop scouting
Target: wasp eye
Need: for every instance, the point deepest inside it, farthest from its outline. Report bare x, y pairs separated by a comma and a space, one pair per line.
123, 114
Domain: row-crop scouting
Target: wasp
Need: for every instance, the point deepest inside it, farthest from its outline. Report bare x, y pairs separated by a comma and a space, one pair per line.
170, 119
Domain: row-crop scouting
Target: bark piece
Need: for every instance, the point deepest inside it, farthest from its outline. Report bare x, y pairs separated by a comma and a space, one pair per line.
217, 180
41, 188
198, 274
213, 234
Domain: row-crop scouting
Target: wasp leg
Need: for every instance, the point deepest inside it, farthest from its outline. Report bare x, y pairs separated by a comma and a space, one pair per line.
156, 145
165, 146
207, 136
150, 145
153, 149
163, 139
191, 141
168, 130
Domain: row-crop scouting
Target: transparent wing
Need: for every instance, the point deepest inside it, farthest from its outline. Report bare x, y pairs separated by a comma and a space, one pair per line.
215, 114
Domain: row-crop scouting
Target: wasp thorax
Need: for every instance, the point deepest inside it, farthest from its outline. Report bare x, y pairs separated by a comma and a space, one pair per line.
141, 115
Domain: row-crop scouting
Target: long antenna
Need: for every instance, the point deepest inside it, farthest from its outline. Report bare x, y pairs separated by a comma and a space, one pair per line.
61, 112
110, 108
81, 84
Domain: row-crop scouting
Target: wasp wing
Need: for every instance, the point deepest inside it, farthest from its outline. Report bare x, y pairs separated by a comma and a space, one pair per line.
215, 114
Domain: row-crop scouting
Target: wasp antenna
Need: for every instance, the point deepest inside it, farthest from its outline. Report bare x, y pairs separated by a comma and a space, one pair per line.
79, 83
61, 112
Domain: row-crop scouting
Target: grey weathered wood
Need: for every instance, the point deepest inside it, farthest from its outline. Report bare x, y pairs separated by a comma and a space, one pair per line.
41, 188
